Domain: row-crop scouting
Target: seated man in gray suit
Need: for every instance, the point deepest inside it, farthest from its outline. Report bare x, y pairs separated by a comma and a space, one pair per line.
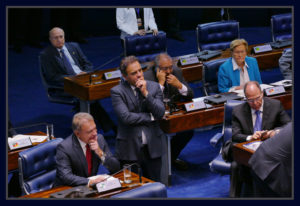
271, 165
79, 155
138, 104
259, 116
174, 87
285, 63
63, 59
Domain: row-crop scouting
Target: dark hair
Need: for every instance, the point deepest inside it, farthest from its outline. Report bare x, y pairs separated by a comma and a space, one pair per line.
126, 61
250, 83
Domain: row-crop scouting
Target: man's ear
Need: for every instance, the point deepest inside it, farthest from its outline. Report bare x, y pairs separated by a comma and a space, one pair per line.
125, 77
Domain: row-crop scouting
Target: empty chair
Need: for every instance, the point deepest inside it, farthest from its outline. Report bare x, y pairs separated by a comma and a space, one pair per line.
149, 190
55, 93
210, 76
217, 35
281, 26
37, 167
218, 164
145, 48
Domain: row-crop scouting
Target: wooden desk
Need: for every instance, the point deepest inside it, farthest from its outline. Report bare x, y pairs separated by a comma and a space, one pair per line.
78, 86
125, 187
182, 120
12, 156
242, 154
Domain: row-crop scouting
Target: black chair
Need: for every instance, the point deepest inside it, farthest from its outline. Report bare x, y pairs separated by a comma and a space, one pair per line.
37, 167
146, 47
149, 190
217, 35
210, 76
55, 93
281, 26
218, 165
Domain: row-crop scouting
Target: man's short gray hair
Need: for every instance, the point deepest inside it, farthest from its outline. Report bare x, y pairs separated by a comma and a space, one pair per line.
79, 118
250, 83
161, 55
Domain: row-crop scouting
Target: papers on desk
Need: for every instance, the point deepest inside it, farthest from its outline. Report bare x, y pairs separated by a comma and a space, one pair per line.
20, 141
285, 83
108, 184
199, 99
253, 145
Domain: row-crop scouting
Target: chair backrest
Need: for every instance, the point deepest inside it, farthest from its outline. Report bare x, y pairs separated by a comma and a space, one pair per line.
145, 48
227, 125
210, 76
53, 91
37, 167
149, 190
217, 35
281, 26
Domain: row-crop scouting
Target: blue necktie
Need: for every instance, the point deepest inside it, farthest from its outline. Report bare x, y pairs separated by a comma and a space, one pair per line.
67, 63
257, 126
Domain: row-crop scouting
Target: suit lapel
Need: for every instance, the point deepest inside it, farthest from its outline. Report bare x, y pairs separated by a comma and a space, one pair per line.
80, 155
265, 113
248, 117
130, 93
59, 59
72, 53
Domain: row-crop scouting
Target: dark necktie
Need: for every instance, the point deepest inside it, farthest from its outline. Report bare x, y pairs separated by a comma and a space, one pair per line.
166, 91
139, 98
257, 125
67, 63
88, 156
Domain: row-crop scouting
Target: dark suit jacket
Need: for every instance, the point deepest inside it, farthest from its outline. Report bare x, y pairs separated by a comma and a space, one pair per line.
273, 116
272, 161
150, 74
53, 67
72, 168
131, 121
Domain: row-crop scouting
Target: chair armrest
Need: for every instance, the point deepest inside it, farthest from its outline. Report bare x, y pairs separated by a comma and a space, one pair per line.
215, 140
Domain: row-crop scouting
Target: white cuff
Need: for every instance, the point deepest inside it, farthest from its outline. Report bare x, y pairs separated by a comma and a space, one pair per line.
183, 91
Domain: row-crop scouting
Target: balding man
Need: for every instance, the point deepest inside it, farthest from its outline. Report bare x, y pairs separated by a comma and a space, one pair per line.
175, 87
259, 116
62, 59
79, 155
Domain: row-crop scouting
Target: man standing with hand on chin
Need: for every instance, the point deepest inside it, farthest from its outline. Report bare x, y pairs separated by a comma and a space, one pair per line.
79, 155
138, 105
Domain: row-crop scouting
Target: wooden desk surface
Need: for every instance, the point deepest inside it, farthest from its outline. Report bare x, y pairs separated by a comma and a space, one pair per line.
12, 156
183, 120
78, 86
242, 154
125, 187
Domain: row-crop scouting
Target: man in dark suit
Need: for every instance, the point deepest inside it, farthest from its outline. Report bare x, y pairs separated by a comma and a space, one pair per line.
138, 105
79, 155
272, 165
259, 117
61, 60
175, 87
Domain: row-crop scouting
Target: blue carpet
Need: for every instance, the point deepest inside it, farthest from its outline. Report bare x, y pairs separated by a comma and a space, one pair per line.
28, 104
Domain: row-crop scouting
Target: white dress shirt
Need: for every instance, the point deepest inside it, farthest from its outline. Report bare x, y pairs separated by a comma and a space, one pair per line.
244, 76
76, 69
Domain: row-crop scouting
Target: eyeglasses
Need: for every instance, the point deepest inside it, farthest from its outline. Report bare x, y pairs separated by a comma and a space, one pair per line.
166, 68
255, 99
239, 52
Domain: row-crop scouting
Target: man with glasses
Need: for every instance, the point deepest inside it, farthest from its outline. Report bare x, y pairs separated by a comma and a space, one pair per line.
175, 88
258, 118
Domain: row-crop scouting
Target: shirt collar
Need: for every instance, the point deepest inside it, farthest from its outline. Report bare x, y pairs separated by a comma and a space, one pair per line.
63, 48
235, 66
82, 144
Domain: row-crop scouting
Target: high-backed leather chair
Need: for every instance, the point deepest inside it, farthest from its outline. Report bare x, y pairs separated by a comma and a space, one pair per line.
218, 164
37, 167
146, 47
210, 76
217, 35
281, 26
149, 190
55, 93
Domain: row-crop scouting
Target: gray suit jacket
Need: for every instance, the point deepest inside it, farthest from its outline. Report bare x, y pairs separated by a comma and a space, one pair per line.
53, 67
272, 161
72, 168
150, 74
273, 116
132, 121
285, 63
